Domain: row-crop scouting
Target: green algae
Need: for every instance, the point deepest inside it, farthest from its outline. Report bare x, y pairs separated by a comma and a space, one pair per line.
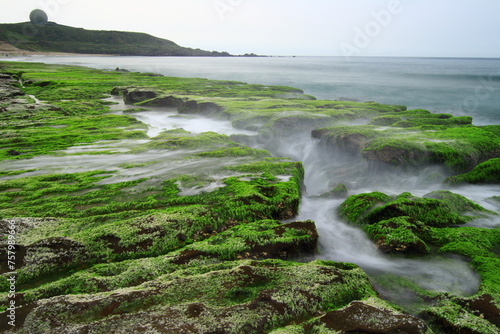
117, 221
61, 134
440, 208
459, 147
405, 223
355, 207
399, 234
385, 120
281, 289
484, 173
235, 152
124, 242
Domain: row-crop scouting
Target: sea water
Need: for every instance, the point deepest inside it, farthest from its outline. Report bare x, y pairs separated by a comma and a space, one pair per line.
459, 86
441, 85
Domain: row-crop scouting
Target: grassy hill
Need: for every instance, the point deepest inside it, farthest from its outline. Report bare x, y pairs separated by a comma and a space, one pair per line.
53, 37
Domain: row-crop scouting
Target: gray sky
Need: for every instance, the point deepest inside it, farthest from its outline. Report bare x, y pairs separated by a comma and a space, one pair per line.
433, 28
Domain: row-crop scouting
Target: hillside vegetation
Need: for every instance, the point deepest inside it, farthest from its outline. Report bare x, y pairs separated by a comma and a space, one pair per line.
53, 37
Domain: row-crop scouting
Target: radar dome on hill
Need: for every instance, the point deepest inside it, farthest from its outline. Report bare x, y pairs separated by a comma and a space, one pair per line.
38, 17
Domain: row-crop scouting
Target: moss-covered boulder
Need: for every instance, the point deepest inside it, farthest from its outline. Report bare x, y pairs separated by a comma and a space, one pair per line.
339, 191
399, 235
406, 224
438, 209
451, 317
485, 173
458, 147
229, 297
257, 240
361, 317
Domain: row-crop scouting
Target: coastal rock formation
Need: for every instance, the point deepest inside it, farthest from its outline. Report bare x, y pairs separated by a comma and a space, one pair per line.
136, 95
360, 317
459, 147
486, 172
106, 247
408, 224
9, 87
232, 297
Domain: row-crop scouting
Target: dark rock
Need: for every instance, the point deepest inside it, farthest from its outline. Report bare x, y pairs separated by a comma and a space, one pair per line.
8, 89
412, 155
61, 250
136, 95
13, 153
42, 83
118, 91
194, 310
166, 101
358, 317
484, 306
194, 107
187, 255
339, 191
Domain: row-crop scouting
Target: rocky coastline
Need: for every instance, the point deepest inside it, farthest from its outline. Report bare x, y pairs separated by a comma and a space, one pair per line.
208, 242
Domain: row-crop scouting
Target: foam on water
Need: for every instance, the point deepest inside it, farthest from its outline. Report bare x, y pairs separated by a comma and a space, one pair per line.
343, 242
159, 119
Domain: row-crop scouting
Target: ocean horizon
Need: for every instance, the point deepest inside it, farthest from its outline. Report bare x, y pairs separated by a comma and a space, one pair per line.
458, 86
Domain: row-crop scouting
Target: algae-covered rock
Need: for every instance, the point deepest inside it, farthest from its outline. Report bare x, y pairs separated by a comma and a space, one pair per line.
385, 120
484, 173
458, 147
453, 318
443, 210
399, 235
339, 191
409, 224
363, 318
133, 96
258, 240
355, 207
231, 297
181, 233
8, 87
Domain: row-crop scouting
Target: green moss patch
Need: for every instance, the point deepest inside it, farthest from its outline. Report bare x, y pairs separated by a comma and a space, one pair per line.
400, 234
484, 173
458, 147
408, 224
239, 296
439, 208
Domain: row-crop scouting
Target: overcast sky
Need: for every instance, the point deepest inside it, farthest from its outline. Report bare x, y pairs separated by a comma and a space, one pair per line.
432, 28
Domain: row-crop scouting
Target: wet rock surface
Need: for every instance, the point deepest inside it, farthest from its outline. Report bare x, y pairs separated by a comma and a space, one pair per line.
8, 89
151, 245
358, 317
244, 296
